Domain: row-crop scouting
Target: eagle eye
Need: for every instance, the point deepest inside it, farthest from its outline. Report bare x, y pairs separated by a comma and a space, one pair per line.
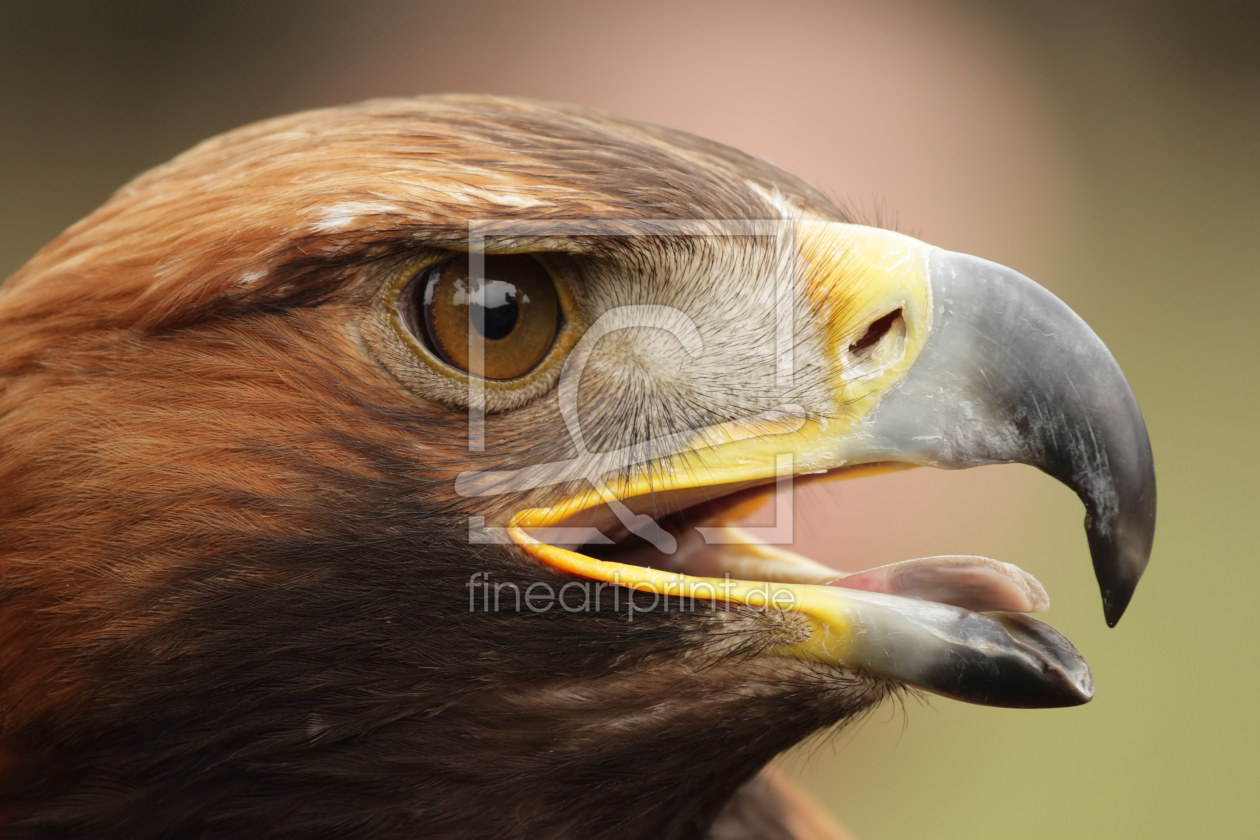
509, 317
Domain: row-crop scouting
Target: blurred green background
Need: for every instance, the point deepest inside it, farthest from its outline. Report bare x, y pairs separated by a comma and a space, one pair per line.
1110, 150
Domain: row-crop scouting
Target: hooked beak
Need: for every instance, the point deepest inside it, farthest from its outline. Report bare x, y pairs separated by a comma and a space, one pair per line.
1010, 374
936, 359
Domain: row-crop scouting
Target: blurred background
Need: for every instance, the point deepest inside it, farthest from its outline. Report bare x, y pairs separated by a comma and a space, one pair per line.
1108, 149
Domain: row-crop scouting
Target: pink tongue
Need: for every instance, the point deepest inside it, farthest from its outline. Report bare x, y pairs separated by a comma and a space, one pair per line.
973, 583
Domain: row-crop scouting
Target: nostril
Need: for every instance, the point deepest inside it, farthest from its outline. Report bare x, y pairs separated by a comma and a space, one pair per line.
875, 332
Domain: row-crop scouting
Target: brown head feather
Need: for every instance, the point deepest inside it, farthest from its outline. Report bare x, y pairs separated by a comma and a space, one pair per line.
232, 568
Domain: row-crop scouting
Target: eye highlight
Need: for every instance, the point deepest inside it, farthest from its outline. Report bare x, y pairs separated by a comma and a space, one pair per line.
499, 326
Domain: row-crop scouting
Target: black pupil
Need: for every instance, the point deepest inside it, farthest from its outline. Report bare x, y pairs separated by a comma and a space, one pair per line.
496, 309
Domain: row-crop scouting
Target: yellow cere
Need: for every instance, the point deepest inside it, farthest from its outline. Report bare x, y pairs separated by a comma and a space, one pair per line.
853, 275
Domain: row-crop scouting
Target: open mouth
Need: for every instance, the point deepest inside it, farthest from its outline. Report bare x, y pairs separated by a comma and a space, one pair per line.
954, 625
705, 543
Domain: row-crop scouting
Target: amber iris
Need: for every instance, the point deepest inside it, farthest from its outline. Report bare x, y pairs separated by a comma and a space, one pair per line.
499, 326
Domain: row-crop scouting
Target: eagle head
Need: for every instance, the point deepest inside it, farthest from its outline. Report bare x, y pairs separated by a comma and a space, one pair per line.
371, 473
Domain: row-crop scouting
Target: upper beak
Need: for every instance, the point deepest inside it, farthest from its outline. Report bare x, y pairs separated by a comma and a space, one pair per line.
936, 359
1010, 374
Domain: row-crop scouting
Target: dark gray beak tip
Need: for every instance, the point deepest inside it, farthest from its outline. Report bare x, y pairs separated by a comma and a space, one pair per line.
1117, 589
1120, 541
1011, 661
1058, 676
1115, 602
1120, 557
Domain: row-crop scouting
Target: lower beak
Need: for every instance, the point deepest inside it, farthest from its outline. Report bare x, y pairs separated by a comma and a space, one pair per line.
993, 659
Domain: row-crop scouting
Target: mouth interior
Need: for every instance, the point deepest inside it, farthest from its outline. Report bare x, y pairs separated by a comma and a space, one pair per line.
706, 545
